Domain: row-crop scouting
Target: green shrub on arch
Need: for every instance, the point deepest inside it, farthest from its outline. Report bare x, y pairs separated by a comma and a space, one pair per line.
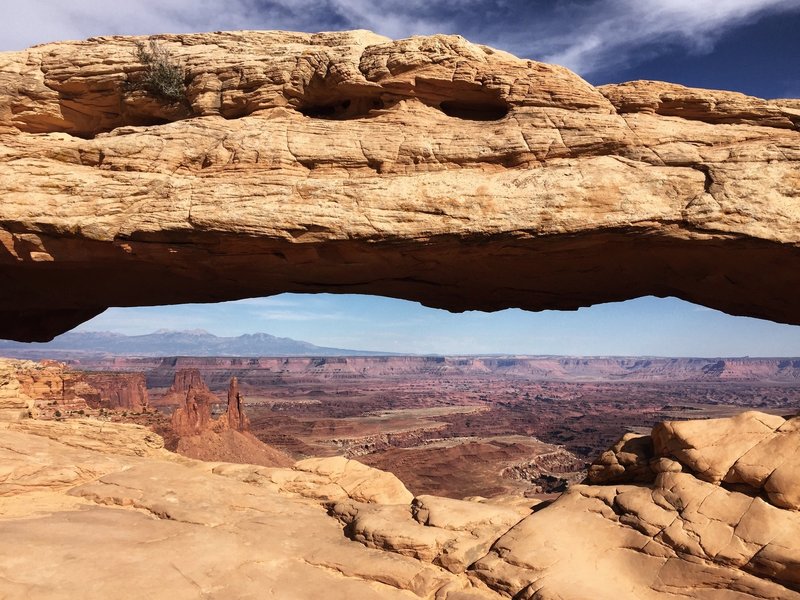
164, 75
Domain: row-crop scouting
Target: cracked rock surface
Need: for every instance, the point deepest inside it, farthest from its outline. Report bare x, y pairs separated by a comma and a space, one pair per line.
430, 169
94, 509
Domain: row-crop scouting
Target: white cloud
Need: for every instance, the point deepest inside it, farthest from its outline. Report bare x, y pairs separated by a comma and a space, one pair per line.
302, 315
39, 21
611, 32
395, 19
268, 302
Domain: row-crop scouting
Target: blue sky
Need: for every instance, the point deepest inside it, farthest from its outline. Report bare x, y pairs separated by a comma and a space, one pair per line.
645, 326
744, 45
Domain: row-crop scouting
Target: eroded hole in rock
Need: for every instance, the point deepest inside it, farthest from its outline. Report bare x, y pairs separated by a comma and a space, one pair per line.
502, 432
475, 111
341, 109
144, 121
470, 101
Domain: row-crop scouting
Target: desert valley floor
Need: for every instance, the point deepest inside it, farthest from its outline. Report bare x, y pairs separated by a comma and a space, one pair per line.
460, 426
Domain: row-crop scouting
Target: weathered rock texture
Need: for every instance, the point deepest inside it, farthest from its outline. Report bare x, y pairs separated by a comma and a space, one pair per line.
712, 522
86, 504
754, 452
429, 168
234, 413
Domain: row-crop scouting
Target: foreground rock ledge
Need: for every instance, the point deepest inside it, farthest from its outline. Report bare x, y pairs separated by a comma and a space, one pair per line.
429, 168
94, 509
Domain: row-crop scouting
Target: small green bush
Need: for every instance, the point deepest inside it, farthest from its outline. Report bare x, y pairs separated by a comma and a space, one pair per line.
164, 75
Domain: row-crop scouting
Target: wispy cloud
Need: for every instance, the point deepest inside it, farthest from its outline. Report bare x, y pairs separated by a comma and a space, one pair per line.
609, 33
38, 21
281, 301
586, 35
302, 315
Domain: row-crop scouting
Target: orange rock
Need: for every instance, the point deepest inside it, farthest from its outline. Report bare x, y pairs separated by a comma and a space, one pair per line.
226, 438
111, 494
193, 415
235, 417
117, 391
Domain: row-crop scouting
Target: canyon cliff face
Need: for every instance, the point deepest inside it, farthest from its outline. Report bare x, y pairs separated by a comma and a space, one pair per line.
42, 389
195, 402
117, 391
217, 371
234, 415
430, 169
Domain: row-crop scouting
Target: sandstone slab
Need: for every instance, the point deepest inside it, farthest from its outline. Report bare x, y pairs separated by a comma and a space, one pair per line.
78, 516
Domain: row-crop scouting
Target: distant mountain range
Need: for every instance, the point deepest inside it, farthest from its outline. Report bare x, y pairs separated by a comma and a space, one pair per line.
165, 342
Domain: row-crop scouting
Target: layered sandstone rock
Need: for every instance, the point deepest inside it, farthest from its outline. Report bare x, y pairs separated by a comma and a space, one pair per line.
92, 434
195, 402
215, 535
450, 533
429, 168
673, 534
338, 478
753, 452
49, 388
331, 527
681, 538
234, 414
628, 461
30, 389
118, 391
15, 402
709, 522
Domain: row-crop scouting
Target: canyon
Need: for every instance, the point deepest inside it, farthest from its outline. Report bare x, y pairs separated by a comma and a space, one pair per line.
699, 508
226, 438
453, 426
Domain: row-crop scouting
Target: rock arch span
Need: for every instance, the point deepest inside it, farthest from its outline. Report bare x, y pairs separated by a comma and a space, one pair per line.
436, 170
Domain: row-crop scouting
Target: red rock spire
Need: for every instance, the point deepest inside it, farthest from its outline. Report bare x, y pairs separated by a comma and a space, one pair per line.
236, 418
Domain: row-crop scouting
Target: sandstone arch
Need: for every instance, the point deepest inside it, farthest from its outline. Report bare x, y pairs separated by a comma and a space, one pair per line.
430, 169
